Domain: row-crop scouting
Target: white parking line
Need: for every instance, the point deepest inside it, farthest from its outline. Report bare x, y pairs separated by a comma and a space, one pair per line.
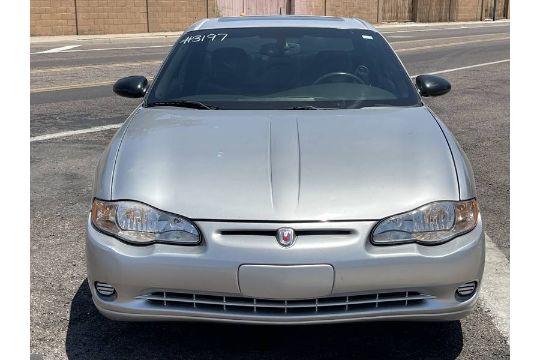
115, 126
74, 132
56, 50
465, 67
400, 36
495, 288
102, 49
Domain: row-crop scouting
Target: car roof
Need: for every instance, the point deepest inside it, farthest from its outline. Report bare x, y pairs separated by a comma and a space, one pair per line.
281, 21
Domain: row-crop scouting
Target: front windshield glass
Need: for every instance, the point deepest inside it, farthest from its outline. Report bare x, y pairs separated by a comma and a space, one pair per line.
283, 68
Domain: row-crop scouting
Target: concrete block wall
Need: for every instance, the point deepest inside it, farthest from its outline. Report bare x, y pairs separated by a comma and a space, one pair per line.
468, 10
111, 16
308, 7
433, 10
175, 15
52, 17
71, 17
363, 9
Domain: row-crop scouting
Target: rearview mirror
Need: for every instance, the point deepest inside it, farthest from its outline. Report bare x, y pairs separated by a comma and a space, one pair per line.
431, 85
131, 86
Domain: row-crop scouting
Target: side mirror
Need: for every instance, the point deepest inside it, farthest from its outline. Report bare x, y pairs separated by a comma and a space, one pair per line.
131, 86
431, 85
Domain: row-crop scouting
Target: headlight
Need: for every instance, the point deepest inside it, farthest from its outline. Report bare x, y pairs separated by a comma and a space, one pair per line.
142, 224
433, 223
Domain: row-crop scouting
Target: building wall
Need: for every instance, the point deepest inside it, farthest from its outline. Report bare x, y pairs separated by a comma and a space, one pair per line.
363, 9
228, 8
468, 10
398, 10
309, 7
70, 17
433, 10
111, 16
175, 15
52, 17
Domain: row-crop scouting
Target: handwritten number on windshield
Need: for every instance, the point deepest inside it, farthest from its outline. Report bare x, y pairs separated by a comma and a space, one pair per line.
202, 38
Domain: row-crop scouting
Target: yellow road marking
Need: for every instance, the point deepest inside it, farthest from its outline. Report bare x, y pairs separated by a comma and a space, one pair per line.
76, 86
399, 42
450, 44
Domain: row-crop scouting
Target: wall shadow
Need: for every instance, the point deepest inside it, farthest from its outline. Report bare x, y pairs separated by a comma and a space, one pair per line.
92, 336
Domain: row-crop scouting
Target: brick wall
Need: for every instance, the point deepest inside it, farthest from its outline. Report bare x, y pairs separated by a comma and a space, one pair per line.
433, 10
70, 17
448, 10
52, 17
468, 10
363, 9
308, 7
111, 16
219, 8
175, 15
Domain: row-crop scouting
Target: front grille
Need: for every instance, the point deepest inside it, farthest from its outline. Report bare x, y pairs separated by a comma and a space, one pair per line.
300, 232
245, 305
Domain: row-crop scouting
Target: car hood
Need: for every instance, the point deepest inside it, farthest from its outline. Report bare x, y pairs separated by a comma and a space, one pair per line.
284, 165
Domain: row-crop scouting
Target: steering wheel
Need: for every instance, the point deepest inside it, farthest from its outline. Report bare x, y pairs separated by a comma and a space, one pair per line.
340, 74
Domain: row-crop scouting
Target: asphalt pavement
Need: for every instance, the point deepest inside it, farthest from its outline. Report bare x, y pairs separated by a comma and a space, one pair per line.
71, 91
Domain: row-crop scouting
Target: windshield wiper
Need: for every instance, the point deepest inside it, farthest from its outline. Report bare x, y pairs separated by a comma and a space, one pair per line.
308, 107
184, 103
374, 105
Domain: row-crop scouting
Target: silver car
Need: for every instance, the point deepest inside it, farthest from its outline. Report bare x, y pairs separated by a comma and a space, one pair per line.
284, 170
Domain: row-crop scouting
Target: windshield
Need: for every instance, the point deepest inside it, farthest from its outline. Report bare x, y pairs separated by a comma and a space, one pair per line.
283, 68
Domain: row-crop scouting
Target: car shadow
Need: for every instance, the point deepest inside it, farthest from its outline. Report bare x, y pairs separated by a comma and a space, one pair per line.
92, 336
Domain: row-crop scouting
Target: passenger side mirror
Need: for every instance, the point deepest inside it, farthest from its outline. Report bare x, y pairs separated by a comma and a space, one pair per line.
131, 86
431, 85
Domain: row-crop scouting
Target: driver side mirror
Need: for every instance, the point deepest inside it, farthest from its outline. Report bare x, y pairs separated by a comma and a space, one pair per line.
131, 86
431, 85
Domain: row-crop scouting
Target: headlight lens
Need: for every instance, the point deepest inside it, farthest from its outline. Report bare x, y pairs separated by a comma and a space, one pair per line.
433, 223
142, 224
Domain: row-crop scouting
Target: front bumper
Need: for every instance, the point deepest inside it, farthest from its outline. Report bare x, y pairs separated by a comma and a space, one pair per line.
319, 268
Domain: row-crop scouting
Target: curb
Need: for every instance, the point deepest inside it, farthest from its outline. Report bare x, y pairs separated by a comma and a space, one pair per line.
60, 38
440, 24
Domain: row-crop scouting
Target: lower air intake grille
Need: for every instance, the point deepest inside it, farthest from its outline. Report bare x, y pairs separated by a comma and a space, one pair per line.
104, 288
334, 304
